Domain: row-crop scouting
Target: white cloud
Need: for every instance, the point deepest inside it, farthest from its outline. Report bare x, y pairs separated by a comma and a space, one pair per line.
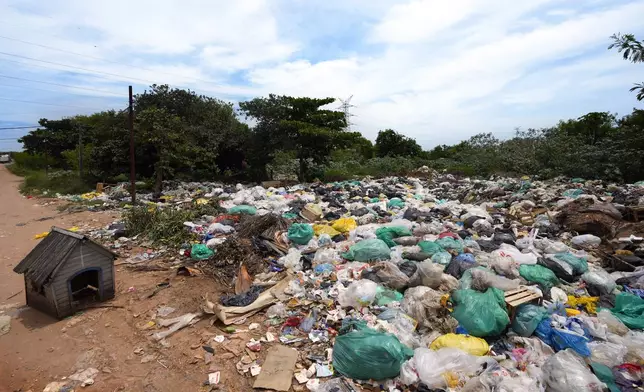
436, 71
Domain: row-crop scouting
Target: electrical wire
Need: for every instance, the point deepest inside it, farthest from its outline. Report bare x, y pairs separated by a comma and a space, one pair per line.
48, 104
29, 127
107, 60
58, 84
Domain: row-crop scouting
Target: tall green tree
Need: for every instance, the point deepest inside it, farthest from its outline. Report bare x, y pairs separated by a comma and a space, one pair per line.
297, 124
390, 143
633, 50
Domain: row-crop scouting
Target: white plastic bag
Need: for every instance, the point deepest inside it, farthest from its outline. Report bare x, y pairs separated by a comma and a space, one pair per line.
430, 274
614, 324
634, 342
596, 328
483, 279
431, 366
504, 265
326, 256
566, 372
600, 280
507, 250
606, 353
586, 240
292, 260
359, 294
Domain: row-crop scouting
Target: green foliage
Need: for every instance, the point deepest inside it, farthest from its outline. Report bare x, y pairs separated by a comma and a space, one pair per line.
392, 144
633, 50
163, 226
27, 161
66, 183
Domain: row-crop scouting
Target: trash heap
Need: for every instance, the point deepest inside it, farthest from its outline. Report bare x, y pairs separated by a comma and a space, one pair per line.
436, 284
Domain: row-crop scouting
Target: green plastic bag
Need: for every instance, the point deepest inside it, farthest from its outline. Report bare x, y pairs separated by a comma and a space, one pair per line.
368, 250
527, 318
385, 296
201, 252
573, 193
539, 274
243, 209
300, 233
395, 203
629, 309
430, 247
449, 243
289, 215
605, 375
578, 264
442, 258
481, 314
388, 234
368, 354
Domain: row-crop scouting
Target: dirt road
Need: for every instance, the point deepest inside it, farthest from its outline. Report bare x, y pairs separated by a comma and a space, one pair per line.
39, 349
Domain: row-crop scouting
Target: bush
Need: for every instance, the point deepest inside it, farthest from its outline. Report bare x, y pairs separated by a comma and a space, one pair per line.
39, 182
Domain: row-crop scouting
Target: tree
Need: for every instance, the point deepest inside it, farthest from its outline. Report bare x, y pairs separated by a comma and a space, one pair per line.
633, 51
390, 143
297, 124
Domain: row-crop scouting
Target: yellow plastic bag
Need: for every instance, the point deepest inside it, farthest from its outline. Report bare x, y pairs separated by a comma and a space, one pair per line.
345, 225
201, 202
589, 303
469, 344
41, 235
324, 229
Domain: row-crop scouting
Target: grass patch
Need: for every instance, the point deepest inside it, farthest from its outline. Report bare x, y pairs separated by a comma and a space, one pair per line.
38, 182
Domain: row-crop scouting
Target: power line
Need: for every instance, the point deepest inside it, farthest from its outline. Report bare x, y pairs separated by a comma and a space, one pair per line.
107, 60
29, 127
58, 84
48, 104
75, 67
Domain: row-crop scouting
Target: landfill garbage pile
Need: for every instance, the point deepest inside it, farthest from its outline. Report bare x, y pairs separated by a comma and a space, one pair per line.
407, 284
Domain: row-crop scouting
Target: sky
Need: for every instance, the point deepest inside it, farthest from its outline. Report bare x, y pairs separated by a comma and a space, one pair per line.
437, 71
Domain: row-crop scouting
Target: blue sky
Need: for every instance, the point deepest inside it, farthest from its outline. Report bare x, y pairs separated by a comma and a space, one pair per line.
437, 71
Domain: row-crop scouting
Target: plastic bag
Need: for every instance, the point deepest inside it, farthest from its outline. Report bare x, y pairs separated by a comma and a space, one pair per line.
539, 274
563, 339
459, 265
442, 258
243, 209
368, 250
481, 314
437, 369
599, 282
367, 354
324, 229
219, 228
424, 305
360, 293
292, 260
390, 275
430, 274
566, 372
527, 318
507, 250
605, 375
588, 303
482, 279
606, 353
387, 234
578, 264
634, 342
629, 309
277, 310
470, 344
505, 266
613, 324
386, 296
201, 252
300, 233
594, 326
586, 240
430, 247
395, 203
449, 243
326, 256
345, 225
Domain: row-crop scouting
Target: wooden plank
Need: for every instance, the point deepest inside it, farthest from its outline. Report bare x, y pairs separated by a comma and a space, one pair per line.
525, 300
517, 296
508, 293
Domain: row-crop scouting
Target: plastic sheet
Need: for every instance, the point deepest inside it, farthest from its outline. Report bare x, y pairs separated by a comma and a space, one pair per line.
614, 324
566, 372
599, 282
359, 294
606, 353
630, 310
527, 318
538, 274
300, 233
368, 250
367, 354
387, 234
470, 344
481, 314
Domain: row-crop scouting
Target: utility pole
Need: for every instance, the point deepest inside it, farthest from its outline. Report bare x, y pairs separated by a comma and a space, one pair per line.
132, 167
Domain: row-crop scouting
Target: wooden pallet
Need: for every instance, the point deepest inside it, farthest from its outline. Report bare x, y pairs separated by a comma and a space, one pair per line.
514, 298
